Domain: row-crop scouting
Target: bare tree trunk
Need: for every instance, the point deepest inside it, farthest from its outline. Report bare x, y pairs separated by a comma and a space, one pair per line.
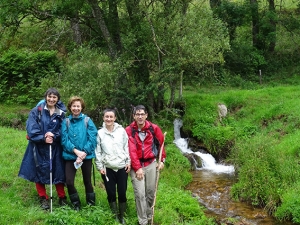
272, 44
97, 13
76, 31
255, 23
114, 25
140, 67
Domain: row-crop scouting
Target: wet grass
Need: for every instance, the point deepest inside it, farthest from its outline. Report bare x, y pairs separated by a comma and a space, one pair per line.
19, 202
260, 136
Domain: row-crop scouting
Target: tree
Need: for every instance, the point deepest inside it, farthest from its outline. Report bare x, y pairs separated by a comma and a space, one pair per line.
150, 43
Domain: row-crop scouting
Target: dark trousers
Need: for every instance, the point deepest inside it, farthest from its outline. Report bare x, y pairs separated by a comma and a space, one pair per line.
117, 182
86, 169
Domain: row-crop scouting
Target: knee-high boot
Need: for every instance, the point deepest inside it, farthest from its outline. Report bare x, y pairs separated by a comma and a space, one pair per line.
74, 198
114, 210
91, 198
122, 210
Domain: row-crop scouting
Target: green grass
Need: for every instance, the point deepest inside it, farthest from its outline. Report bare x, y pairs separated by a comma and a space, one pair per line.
260, 136
14, 116
19, 201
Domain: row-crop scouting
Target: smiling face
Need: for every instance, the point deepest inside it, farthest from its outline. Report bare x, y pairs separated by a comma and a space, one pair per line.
109, 118
51, 100
76, 108
140, 117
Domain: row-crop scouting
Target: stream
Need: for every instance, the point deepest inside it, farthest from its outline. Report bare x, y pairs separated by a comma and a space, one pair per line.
212, 191
211, 187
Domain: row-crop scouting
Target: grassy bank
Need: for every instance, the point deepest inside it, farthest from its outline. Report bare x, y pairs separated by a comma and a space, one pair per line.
260, 136
19, 203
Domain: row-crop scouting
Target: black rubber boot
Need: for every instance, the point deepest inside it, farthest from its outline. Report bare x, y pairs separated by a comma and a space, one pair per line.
74, 198
90, 198
44, 203
114, 210
122, 210
63, 201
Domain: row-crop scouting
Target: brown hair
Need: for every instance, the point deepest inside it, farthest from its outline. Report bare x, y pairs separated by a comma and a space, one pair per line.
74, 99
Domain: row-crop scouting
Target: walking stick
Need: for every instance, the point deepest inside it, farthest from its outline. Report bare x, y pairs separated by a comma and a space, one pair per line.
50, 152
157, 176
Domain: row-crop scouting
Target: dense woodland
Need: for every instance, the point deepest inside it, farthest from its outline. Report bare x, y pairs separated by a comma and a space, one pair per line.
120, 53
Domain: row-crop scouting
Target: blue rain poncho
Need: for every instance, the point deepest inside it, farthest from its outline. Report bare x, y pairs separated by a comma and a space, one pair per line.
35, 165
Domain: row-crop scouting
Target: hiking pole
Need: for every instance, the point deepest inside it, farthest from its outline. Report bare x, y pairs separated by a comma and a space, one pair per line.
157, 176
50, 153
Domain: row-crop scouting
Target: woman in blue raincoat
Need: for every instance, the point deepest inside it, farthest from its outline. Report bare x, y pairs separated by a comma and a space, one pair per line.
44, 129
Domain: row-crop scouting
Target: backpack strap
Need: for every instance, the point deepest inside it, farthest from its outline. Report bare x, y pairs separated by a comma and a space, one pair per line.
133, 131
67, 122
86, 120
156, 144
40, 111
152, 130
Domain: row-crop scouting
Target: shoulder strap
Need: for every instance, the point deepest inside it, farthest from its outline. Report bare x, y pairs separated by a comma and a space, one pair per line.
86, 120
151, 130
153, 134
40, 111
67, 122
133, 131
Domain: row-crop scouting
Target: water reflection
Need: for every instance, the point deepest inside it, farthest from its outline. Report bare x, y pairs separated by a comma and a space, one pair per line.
213, 191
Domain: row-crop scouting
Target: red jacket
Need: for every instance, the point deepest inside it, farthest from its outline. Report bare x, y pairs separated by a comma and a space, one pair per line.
141, 151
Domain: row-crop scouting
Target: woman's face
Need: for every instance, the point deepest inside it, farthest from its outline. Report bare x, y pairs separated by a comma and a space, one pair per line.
76, 108
51, 100
109, 118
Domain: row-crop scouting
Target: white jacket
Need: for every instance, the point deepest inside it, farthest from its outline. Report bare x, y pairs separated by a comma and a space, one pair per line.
112, 148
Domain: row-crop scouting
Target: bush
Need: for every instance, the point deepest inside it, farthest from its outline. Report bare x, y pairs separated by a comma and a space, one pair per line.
21, 72
87, 74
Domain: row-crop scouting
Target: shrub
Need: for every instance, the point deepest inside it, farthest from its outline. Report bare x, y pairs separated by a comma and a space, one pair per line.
87, 74
21, 72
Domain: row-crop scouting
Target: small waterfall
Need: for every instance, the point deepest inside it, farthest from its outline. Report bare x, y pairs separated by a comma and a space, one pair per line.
208, 161
177, 125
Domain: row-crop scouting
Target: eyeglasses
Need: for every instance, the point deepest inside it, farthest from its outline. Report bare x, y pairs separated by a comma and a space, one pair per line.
140, 114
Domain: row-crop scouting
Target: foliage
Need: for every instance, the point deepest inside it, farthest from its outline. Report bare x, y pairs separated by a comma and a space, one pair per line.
87, 74
245, 61
21, 72
88, 215
146, 50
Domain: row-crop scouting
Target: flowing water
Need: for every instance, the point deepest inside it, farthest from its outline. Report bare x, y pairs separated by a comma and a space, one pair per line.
211, 186
213, 192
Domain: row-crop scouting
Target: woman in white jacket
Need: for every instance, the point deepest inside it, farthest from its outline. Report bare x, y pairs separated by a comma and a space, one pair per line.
113, 162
